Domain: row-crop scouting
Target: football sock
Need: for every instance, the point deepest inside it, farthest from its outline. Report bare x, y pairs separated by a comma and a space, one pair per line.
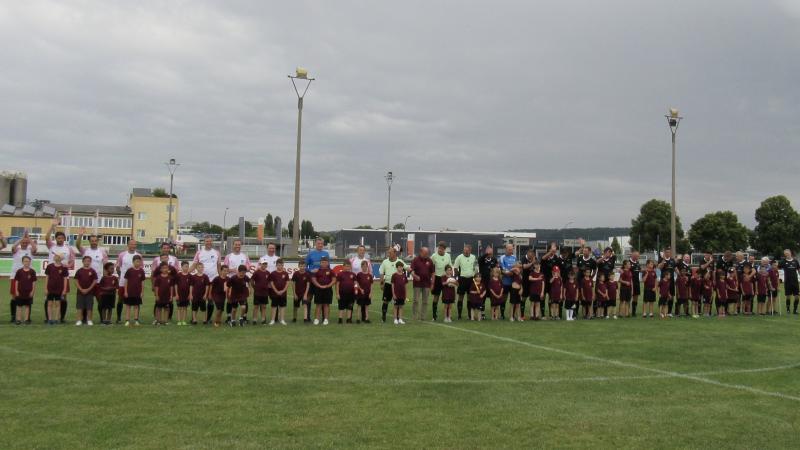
209, 311
633, 308
503, 310
13, 305
384, 310
796, 301
119, 310
435, 310
64, 309
460, 307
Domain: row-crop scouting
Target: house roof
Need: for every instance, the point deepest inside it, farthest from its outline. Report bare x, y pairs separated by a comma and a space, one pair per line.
91, 209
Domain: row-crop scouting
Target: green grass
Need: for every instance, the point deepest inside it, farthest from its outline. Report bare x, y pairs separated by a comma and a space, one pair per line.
469, 385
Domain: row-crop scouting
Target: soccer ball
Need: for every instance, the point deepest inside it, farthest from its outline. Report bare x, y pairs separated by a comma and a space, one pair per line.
451, 281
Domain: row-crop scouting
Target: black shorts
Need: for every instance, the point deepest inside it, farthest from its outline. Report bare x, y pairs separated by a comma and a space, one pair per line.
791, 289
132, 301
721, 302
448, 301
515, 297
54, 297
260, 300
199, 306
762, 298
747, 298
399, 302
611, 302
364, 300
387, 292
570, 304
586, 303
775, 294
649, 296
278, 301
625, 294
346, 301
535, 298
323, 296
663, 301
464, 284
219, 304
707, 300
437, 285
683, 301
183, 303
24, 301
637, 287
107, 301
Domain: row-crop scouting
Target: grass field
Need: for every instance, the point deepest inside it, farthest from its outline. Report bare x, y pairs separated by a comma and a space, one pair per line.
707, 383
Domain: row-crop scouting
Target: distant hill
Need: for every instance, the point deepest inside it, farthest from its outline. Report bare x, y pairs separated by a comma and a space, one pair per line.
590, 234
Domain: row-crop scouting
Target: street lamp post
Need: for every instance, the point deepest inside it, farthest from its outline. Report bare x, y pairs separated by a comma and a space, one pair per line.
300, 74
172, 166
673, 120
224, 224
405, 223
389, 179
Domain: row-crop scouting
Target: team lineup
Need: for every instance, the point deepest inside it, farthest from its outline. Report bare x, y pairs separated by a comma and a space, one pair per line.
559, 283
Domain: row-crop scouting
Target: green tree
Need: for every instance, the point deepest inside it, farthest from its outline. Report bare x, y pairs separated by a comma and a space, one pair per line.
778, 227
206, 228
718, 232
250, 230
364, 227
615, 246
269, 225
398, 226
307, 229
652, 227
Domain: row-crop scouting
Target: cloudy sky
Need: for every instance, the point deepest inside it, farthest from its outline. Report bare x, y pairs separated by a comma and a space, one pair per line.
492, 115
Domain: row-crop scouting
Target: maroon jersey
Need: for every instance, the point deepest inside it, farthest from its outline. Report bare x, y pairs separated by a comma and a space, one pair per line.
476, 293
448, 292
649, 279
762, 280
571, 291
218, 289
85, 277
156, 272
108, 285
183, 284
601, 290
722, 290
695, 288
423, 269
555, 289
536, 283
25, 280
364, 281
708, 288
55, 278
238, 287
134, 280
199, 285
163, 287
260, 280
301, 281
682, 284
399, 286
732, 285
495, 287
774, 279
587, 290
347, 282
279, 280
747, 284
664, 289
611, 287
626, 276
324, 277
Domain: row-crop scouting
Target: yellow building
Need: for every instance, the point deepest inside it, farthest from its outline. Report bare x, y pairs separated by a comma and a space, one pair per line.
151, 216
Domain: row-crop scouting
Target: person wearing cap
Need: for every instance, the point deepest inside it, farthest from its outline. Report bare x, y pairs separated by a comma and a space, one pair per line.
441, 259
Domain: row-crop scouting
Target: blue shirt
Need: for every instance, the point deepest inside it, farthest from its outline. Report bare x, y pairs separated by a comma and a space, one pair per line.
313, 258
506, 264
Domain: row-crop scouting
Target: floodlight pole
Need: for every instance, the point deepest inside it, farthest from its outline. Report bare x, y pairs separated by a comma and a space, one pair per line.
389, 179
172, 166
673, 120
296, 222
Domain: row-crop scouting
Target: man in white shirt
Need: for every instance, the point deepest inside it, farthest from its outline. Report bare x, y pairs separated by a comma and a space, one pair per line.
60, 246
99, 255
270, 258
209, 257
361, 256
172, 260
124, 262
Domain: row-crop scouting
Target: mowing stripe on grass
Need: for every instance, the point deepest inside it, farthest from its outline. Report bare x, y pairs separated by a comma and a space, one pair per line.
615, 362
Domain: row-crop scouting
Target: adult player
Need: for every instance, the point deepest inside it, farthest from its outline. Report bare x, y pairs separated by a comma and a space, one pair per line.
667, 263
791, 286
361, 256
441, 259
387, 269
506, 263
271, 258
636, 270
59, 247
211, 260
464, 269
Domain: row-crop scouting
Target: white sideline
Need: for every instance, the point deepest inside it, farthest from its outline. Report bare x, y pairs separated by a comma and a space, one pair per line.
666, 373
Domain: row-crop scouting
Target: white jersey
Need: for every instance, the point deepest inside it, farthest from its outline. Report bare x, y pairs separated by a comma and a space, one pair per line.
210, 259
172, 261
272, 262
16, 263
99, 258
125, 262
234, 260
66, 252
355, 263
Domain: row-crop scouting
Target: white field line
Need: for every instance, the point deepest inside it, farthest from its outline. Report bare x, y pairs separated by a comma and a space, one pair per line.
666, 373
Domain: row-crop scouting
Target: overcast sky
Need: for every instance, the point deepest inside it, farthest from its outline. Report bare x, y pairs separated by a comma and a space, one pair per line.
492, 115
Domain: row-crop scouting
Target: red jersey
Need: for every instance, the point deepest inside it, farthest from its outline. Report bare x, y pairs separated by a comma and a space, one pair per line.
571, 291
536, 283
587, 289
163, 287
423, 269
364, 281
25, 280
708, 288
301, 281
85, 277
722, 290
279, 279
664, 290
55, 278
448, 292
347, 282
649, 279
134, 279
747, 284
260, 280
774, 279
627, 277
762, 281
732, 285
695, 288
108, 285
611, 287
325, 277
183, 284
602, 291
218, 289
495, 288
555, 289
399, 286
476, 292
682, 284
200, 284
238, 286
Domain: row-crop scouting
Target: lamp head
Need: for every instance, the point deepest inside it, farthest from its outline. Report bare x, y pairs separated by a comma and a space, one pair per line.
301, 72
172, 161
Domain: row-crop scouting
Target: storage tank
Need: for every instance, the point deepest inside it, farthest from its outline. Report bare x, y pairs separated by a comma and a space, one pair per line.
6, 179
19, 190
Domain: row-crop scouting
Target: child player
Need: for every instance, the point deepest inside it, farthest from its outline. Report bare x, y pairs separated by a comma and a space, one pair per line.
449, 285
516, 293
57, 280
571, 295
732, 284
611, 302
625, 289
536, 291
164, 293
108, 293
302, 284
708, 292
762, 289
323, 281
85, 282
24, 289
183, 289
237, 295
587, 294
496, 292
649, 281
748, 289
682, 289
279, 285
476, 295
260, 282
200, 291
601, 296
774, 284
696, 292
556, 294
132, 291
364, 281
218, 293
399, 281
721, 289
346, 292
664, 294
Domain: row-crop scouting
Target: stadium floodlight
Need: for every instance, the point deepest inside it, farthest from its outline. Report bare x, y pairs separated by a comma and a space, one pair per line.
389, 179
300, 74
673, 120
172, 166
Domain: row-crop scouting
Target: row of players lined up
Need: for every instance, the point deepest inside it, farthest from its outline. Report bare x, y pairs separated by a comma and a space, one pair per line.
514, 282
